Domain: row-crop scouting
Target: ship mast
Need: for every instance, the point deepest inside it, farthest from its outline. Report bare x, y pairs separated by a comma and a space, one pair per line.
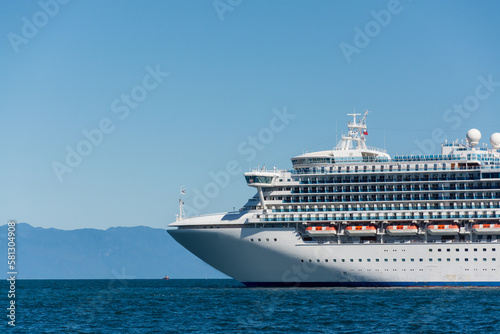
181, 214
356, 134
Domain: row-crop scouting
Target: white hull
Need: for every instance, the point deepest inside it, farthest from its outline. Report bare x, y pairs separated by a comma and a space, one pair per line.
281, 257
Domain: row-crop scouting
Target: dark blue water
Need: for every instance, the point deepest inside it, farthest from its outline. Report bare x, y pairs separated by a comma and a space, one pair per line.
225, 306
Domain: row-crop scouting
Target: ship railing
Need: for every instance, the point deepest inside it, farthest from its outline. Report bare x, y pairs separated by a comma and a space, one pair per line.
371, 148
211, 214
265, 170
429, 157
326, 170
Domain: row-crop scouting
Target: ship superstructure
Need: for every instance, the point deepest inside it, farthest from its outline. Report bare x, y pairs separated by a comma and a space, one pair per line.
354, 215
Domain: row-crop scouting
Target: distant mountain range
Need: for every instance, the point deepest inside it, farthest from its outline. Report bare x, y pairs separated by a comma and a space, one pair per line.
118, 252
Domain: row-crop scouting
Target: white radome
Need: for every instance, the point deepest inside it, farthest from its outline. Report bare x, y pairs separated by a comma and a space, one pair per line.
495, 140
473, 137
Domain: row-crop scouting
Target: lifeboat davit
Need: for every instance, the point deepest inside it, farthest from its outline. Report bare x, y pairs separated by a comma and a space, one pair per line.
486, 228
443, 229
360, 230
401, 230
321, 230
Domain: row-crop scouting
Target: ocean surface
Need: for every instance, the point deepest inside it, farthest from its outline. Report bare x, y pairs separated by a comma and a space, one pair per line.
225, 306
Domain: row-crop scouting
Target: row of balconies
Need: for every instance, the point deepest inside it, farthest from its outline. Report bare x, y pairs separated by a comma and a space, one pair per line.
392, 207
387, 198
381, 216
377, 179
398, 188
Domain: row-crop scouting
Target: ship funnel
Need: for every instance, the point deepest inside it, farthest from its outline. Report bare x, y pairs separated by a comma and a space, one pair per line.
473, 137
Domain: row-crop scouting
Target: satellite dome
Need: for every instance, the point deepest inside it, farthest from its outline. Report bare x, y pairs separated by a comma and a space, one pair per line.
473, 137
495, 140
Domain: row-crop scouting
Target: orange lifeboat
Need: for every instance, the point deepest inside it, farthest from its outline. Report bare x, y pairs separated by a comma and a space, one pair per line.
486, 228
360, 230
443, 229
321, 230
401, 230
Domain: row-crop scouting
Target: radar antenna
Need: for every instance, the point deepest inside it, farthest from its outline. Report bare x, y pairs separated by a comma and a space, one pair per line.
363, 120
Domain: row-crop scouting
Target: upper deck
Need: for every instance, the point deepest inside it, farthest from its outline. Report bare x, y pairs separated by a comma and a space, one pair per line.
352, 155
352, 150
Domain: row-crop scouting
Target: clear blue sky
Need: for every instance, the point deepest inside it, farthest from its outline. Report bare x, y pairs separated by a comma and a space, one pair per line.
81, 65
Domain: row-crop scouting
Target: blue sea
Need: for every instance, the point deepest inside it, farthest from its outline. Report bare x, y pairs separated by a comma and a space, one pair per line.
226, 306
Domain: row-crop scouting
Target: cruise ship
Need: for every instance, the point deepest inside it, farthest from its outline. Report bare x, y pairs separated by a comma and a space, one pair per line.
355, 216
